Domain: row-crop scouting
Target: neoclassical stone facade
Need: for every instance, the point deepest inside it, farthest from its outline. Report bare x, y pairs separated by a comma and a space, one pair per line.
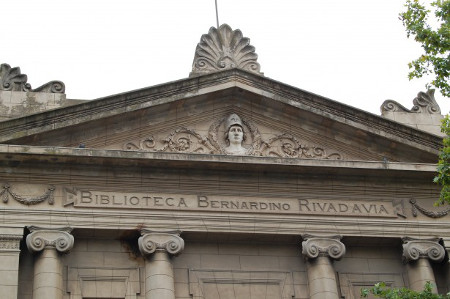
226, 184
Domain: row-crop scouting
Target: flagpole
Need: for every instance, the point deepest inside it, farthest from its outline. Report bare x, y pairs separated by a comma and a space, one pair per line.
217, 15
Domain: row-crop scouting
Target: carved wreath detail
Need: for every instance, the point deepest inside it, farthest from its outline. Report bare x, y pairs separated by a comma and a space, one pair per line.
432, 214
7, 192
185, 140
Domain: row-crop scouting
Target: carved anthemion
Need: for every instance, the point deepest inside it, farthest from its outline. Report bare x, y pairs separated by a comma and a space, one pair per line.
315, 246
6, 193
423, 103
224, 48
413, 249
41, 238
12, 79
150, 242
227, 136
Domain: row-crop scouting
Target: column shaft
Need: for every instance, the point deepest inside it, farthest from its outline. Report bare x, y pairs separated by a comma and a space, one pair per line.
419, 272
159, 282
418, 254
48, 244
48, 280
319, 252
157, 248
322, 279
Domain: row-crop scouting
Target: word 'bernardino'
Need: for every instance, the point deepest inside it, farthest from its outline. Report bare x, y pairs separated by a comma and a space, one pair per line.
214, 203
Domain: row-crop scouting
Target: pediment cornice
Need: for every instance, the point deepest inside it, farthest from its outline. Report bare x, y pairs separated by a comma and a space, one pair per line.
228, 82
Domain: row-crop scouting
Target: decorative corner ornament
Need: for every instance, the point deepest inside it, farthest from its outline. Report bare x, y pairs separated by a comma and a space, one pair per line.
222, 49
13, 79
151, 241
413, 249
48, 195
423, 103
315, 246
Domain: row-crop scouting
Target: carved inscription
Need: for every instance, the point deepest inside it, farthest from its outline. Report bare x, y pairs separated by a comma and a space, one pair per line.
212, 203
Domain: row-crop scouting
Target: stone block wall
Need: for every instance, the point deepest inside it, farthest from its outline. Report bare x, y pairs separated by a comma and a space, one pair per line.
108, 267
15, 104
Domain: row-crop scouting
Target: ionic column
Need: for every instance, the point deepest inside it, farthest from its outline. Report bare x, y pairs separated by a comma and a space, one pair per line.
417, 255
157, 248
319, 252
9, 263
48, 268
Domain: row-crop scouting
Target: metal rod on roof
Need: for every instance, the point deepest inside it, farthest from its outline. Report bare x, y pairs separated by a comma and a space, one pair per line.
217, 15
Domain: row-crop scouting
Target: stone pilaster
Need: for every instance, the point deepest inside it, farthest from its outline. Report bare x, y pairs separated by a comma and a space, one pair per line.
157, 247
48, 268
417, 254
319, 252
9, 264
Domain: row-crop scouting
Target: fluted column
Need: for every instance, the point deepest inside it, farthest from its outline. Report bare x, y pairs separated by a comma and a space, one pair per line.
157, 247
417, 254
9, 263
319, 252
48, 268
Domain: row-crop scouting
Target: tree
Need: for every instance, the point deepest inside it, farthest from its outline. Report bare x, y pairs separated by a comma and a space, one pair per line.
381, 291
435, 60
435, 42
443, 176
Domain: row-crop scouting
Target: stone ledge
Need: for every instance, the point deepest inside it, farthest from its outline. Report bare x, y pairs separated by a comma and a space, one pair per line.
97, 156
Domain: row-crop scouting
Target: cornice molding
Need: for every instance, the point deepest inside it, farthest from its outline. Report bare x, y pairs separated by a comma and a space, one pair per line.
121, 157
223, 80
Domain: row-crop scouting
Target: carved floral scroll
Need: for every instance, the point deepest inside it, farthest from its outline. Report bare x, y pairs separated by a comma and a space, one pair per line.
186, 140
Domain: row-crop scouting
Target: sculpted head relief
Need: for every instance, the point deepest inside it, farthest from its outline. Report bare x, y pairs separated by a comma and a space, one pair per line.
234, 135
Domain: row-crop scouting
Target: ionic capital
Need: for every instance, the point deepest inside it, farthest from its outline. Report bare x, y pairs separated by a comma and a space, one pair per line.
414, 249
10, 242
315, 246
150, 241
59, 239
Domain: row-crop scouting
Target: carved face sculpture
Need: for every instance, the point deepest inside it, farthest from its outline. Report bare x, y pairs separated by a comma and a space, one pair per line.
235, 135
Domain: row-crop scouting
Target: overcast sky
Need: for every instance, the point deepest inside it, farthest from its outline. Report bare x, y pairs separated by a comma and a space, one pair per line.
352, 51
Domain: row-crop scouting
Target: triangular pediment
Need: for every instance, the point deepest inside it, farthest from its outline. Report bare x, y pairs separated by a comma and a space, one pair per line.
191, 116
